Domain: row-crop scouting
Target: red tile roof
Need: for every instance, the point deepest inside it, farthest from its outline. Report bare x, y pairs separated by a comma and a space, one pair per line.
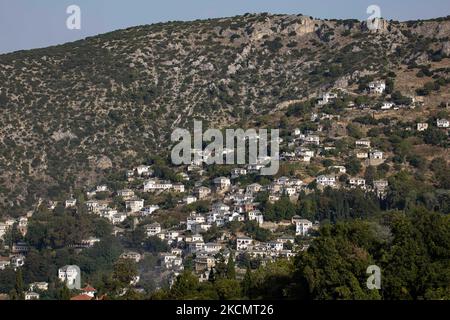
88, 288
81, 297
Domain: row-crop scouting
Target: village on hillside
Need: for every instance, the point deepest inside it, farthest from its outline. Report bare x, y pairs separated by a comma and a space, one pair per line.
192, 217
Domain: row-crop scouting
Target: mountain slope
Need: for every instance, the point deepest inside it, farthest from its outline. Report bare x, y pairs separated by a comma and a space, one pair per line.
71, 112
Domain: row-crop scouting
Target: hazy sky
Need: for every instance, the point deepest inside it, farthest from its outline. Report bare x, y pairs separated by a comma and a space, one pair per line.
26, 24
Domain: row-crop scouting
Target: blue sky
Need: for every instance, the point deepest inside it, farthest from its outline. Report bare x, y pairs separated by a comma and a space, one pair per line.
26, 24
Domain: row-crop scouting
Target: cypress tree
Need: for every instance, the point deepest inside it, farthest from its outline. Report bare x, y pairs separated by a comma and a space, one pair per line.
231, 272
19, 286
247, 283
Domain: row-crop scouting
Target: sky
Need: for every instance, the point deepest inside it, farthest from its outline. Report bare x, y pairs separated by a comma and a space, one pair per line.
28, 24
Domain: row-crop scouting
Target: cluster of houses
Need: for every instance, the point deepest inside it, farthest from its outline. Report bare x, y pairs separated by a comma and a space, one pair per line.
230, 202
17, 250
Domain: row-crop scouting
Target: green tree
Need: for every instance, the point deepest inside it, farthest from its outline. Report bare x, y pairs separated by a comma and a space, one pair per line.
124, 272
247, 283
231, 270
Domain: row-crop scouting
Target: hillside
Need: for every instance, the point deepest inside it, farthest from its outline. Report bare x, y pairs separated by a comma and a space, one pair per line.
72, 113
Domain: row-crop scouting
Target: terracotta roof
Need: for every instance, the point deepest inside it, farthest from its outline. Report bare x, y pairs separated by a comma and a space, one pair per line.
81, 297
88, 288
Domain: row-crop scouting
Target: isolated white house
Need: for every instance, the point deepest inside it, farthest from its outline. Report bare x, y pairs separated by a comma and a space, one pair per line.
387, 105
377, 87
422, 126
376, 154
189, 199
326, 98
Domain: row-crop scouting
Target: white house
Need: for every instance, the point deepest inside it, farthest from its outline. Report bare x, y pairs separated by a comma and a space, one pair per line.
194, 219
118, 218
202, 192
242, 243
362, 155
326, 97
108, 213
340, 169
178, 188
422, 126
134, 205
189, 199
365, 143
196, 246
135, 256
286, 239
326, 180
387, 105
101, 188
357, 182
70, 203
153, 229
213, 247
125, 193
237, 172
148, 210
31, 295
203, 227
222, 183
42, 286
220, 207
167, 259
274, 246
253, 188
377, 87
131, 255
313, 139
256, 215
442, 123
156, 185
89, 242
376, 154
302, 227
92, 206
305, 152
